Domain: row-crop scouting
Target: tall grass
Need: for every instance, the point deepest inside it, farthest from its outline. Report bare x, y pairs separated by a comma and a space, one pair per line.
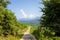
9, 37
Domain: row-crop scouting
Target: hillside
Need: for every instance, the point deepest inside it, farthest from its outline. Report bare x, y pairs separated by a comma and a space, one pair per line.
34, 22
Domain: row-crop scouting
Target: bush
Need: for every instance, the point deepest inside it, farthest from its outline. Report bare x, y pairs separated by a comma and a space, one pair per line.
43, 33
8, 21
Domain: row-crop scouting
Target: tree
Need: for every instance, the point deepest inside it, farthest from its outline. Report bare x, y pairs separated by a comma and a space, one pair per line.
51, 15
4, 3
8, 22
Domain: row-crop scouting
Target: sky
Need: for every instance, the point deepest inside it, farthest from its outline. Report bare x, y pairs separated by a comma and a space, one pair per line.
27, 9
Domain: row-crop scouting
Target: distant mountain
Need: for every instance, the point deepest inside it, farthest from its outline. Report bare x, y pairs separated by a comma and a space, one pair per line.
34, 21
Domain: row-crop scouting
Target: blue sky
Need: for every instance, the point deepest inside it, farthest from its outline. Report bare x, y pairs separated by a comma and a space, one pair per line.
26, 8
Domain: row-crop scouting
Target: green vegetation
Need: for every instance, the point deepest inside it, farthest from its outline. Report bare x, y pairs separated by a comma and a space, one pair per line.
33, 28
51, 15
9, 24
9, 37
34, 31
49, 29
49, 23
4, 3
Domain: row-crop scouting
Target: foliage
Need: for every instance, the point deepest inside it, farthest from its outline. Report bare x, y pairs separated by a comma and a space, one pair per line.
46, 33
1, 30
43, 33
9, 37
8, 21
34, 31
49, 22
51, 14
4, 3
33, 28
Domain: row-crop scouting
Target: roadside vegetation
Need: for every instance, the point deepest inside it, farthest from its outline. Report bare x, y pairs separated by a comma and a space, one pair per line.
49, 29
10, 28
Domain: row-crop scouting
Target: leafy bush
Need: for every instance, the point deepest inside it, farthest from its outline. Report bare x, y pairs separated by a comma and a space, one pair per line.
1, 31
34, 31
51, 15
33, 28
9, 37
8, 22
46, 33
49, 22
42, 33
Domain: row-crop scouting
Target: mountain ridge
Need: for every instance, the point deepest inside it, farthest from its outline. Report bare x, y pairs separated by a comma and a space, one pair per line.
34, 21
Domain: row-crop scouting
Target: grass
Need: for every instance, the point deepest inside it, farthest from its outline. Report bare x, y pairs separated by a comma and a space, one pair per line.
18, 37
56, 38
9, 37
33, 28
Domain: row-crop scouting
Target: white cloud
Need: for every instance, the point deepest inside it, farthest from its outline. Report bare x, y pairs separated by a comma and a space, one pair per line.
31, 16
27, 16
23, 13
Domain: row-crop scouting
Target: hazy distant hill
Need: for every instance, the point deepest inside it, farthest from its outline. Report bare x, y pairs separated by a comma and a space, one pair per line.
30, 21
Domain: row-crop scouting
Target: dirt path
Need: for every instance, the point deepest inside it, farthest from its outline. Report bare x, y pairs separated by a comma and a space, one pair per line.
27, 35
27, 32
